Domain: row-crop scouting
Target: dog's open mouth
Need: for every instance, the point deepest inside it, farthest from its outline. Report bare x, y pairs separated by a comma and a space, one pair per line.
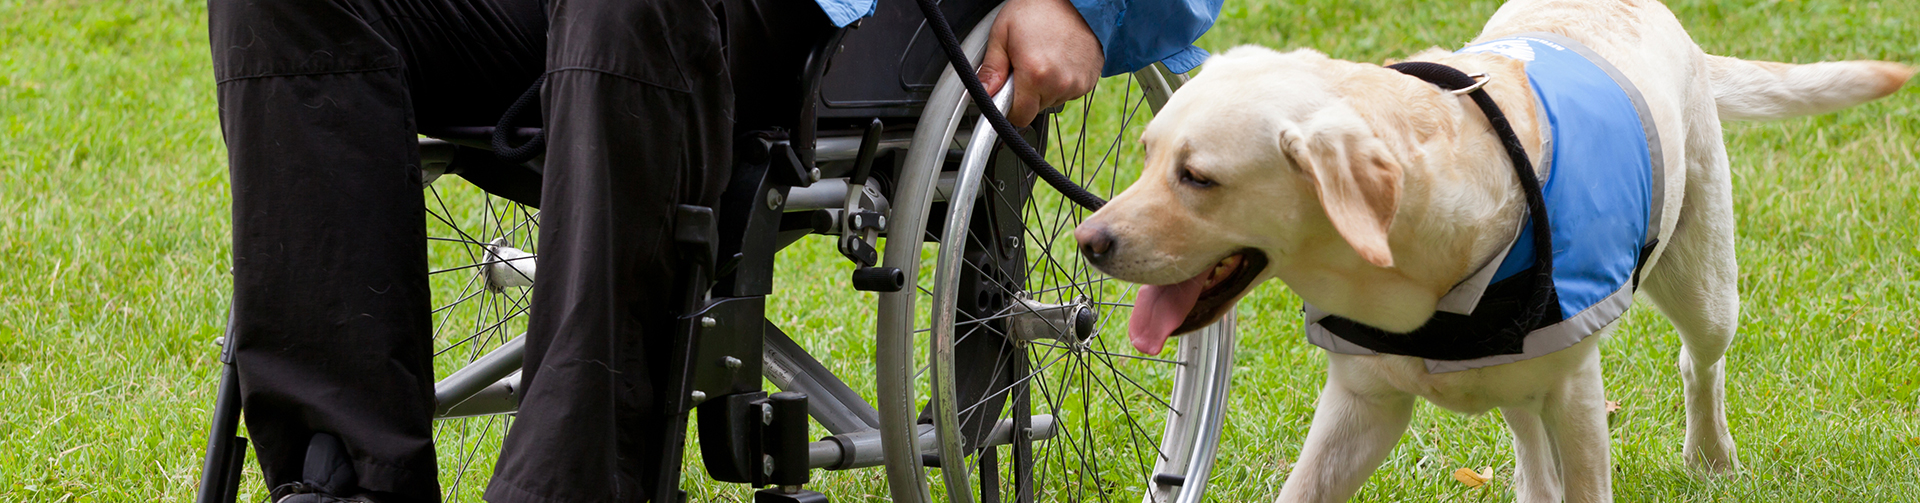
1163, 311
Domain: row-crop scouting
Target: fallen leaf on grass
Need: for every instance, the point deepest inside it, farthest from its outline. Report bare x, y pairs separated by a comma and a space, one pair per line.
1472, 478
1612, 406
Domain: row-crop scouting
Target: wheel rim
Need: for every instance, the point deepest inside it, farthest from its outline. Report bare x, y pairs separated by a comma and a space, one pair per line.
1080, 384
471, 235
1114, 412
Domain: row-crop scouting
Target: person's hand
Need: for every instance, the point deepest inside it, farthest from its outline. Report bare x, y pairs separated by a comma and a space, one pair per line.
1047, 49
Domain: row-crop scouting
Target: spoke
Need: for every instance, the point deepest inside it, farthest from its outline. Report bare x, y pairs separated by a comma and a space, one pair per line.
1086, 425
1099, 352
1022, 380
999, 363
1136, 384
479, 311
468, 459
1085, 283
1126, 411
493, 216
464, 295
477, 333
1064, 433
1045, 244
1011, 294
442, 324
452, 240
446, 216
498, 332
486, 263
975, 321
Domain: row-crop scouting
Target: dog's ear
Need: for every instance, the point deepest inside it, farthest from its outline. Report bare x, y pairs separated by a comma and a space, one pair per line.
1357, 179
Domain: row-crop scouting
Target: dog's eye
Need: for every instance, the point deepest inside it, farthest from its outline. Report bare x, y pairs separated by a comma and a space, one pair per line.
1188, 177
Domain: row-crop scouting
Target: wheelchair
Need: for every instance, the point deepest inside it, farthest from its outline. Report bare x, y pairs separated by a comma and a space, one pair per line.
1000, 367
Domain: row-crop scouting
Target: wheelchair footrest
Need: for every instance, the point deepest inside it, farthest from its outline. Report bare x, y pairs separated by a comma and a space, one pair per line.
753, 438
779, 495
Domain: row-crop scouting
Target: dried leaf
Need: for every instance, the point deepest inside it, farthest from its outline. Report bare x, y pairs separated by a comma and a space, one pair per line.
1471, 478
1612, 406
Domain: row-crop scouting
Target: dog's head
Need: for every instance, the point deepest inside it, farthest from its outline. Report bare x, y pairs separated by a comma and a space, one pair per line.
1263, 165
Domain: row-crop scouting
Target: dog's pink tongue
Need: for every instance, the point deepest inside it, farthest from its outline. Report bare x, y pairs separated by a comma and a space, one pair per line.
1159, 309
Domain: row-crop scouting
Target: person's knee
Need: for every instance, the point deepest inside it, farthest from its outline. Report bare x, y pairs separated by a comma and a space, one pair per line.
253, 38
667, 43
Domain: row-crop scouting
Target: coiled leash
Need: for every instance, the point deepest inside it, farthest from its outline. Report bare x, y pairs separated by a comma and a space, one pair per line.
532, 148
1458, 83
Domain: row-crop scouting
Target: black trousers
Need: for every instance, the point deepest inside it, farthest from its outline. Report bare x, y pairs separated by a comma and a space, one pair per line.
320, 102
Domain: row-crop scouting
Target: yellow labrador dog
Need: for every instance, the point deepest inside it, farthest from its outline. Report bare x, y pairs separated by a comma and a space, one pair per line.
1374, 195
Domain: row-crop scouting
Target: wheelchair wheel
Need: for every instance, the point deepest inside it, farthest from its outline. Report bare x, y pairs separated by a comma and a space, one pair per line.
1034, 392
480, 251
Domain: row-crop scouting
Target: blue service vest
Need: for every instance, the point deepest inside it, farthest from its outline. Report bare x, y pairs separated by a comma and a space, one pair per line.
1603, 188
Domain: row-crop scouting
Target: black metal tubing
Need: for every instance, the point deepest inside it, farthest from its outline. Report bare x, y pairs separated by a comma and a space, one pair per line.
477, 136
749, 214
220, 474
823, 388
226, 451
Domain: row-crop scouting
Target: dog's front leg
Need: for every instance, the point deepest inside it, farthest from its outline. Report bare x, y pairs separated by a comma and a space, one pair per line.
1536, 473
1575, 417
1354, 427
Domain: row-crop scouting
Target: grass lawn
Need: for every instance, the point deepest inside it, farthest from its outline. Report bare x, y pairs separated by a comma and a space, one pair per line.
114, 242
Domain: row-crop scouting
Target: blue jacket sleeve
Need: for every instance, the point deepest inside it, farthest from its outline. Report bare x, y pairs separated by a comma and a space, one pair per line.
1137, 33
1133, 33
845, 12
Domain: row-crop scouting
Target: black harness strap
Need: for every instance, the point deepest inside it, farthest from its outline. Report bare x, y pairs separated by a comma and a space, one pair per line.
1540, 304
1451, 79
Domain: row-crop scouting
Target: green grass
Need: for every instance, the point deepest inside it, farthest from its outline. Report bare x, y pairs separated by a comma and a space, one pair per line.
113, 252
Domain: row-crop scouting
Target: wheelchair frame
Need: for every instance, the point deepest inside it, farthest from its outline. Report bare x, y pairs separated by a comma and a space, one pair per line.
777, 195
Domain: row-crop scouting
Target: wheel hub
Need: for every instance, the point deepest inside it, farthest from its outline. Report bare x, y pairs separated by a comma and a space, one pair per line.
1071, 323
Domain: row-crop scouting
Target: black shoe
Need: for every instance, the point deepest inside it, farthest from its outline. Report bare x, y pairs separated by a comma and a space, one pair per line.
322, 498
327, 472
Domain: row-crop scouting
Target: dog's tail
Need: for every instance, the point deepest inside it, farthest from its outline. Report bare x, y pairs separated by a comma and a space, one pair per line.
1762, 90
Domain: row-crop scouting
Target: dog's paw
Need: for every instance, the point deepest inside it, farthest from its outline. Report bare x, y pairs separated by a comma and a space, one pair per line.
1718, 459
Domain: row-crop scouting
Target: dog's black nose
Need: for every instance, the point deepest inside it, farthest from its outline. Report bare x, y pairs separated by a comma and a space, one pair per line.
1095, 242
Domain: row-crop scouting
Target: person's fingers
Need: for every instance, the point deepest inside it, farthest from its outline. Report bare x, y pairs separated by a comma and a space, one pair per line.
994, 64
1025, 106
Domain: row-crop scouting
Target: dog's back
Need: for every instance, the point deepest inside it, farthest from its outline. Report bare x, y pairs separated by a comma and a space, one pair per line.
1741, 89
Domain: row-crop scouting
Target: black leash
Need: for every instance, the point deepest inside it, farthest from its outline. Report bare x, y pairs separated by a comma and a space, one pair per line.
1452, 79
1008, 135
534, 147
